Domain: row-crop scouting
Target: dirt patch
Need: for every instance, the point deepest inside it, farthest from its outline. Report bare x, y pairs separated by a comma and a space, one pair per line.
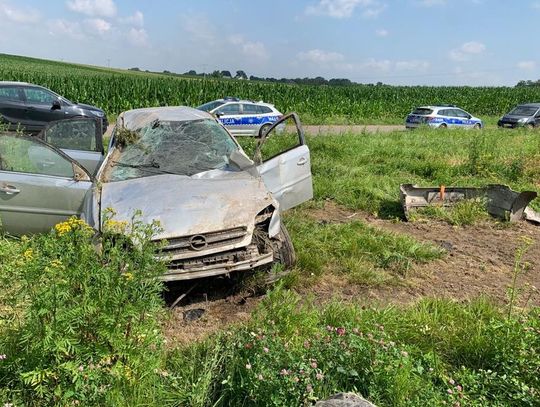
479, 260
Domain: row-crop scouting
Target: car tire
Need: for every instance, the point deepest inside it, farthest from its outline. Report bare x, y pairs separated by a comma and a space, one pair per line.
443, 126
477, 126
530, 126
264, 129
284, 256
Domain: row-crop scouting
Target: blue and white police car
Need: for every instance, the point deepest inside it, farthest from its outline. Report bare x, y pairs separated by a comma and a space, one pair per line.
243, 117
442, 116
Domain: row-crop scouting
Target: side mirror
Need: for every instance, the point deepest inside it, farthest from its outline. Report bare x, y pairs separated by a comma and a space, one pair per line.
218, 114
56, 105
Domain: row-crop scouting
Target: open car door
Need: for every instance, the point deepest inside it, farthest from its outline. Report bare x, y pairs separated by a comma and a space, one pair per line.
283, 162
40, 185
80, 138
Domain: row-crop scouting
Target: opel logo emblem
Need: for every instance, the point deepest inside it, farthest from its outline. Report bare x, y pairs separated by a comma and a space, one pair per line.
198, 242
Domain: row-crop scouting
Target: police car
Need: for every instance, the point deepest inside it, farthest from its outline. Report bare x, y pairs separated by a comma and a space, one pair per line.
243, 117
441, 117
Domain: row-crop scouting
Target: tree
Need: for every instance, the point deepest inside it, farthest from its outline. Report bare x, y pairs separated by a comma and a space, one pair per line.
135, 69
226, 74
191, 72
240, 75
216, 74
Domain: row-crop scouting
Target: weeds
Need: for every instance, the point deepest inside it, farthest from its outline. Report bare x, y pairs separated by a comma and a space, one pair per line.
467, 212
77, 320
433, 353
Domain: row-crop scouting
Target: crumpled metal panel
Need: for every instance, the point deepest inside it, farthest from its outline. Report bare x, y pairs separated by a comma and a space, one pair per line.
138, 118
502, 202
209, 202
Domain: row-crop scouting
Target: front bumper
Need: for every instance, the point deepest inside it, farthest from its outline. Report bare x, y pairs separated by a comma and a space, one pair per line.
246, 258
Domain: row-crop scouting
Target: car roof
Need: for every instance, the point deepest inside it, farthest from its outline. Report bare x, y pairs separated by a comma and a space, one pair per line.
236, 100
12, 83
137, 118
537, 105
439, 107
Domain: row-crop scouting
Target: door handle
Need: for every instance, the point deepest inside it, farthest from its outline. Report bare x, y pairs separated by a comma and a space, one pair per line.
302, 161
9, 189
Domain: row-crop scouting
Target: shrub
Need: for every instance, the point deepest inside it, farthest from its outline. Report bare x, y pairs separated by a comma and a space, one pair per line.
78, 320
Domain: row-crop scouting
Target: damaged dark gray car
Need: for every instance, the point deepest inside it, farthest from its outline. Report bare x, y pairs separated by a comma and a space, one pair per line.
219, 209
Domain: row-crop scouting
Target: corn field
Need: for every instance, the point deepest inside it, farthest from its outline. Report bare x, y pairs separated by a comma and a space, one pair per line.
119, 90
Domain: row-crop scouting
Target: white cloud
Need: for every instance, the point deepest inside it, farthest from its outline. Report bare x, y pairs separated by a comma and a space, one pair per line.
319, 56
97, 26
381, 32
62, 27
99, 8
413, 65
384, 65
373, 12
253, 49
466, 50
19, 15
527, 65
346, 8
136, 20
138, 37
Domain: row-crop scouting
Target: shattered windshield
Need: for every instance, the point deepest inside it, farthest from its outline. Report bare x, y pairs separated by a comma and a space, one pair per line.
171, 147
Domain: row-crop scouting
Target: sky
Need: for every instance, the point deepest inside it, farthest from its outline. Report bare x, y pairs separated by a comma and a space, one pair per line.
408, 42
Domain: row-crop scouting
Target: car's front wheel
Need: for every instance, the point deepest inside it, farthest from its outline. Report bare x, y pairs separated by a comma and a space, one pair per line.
443, 126
477, 126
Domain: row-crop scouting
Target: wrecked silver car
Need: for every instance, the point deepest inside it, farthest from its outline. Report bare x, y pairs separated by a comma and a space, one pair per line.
219, 209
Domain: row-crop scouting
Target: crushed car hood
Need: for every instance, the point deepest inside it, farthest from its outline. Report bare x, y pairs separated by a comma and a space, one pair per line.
211, 201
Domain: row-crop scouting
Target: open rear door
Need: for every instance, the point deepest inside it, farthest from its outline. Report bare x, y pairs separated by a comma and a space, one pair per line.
80, 138
283, 161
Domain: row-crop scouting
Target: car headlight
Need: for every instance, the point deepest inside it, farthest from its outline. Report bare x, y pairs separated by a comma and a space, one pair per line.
524, 120
97, 113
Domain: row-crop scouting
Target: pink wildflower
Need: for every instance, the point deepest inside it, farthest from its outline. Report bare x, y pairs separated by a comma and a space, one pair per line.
309, 388
319, 376
284, 372
340, 331
266, 350
248, 366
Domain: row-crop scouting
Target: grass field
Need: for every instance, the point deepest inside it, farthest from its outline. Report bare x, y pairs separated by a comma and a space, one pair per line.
118, 90
72, 331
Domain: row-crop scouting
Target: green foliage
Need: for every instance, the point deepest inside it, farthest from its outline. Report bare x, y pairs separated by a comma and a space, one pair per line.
120, 90
467, 212
75, 321
433, 353
363, 254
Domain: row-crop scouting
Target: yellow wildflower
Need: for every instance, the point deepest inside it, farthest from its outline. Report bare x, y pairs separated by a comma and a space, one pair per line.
57, 264
128, 276
72, 223
28, 254
115, 226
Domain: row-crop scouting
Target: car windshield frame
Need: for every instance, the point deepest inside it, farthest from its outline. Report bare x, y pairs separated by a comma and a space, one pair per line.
520, 111
185, 148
